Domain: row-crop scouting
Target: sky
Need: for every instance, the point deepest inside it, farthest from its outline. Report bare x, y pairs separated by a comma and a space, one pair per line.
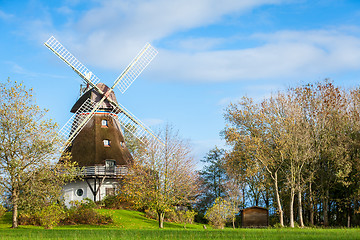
211, 53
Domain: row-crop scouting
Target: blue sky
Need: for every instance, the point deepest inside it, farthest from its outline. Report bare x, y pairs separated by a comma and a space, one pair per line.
211, 53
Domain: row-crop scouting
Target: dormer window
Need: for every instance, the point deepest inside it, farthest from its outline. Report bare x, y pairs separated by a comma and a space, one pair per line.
106, 142
104, 123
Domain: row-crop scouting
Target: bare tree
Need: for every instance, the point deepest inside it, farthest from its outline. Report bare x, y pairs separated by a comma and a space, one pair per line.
162, 177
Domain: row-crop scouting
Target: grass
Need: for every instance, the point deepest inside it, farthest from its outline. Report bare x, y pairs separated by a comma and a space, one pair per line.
134, 225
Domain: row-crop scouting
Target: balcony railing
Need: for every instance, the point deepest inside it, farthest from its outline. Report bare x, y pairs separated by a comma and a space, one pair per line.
103, 171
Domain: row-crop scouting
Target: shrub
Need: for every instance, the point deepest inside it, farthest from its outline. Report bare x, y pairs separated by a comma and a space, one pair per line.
50, 216
28, 219
149, 213
84, 213
2, 210
115, 202
219, 213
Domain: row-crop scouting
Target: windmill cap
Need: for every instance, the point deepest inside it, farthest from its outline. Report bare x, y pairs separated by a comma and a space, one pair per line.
95, 96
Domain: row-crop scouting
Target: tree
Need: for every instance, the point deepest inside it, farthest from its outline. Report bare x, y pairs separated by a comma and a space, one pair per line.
309, 137
219, 213
254, 132
213, 178
163, 177
28, 153
234, 196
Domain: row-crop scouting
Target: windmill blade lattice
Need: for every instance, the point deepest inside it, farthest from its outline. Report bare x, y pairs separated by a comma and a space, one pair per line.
136, 127
74, 125
133, 70
60, 51
88, 108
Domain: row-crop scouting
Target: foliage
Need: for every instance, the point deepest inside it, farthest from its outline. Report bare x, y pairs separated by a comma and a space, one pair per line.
162, 177
115, 202
219, 213
84, 212
185, 216
28, 152
50, 216
304, 141
213, 179
174, 215
2, 210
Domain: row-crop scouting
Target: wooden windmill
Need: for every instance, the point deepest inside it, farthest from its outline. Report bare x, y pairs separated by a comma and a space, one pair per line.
94, 134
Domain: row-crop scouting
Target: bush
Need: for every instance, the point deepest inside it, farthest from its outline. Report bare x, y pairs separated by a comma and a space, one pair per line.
178, 216
28, 219
115, 202
50, 216
84, 213
219, 213
2, 211
149, 213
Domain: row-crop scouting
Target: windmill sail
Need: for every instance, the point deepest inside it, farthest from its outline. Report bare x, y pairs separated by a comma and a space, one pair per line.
60, 51
74, 125
136, 127
88, 108
140, 62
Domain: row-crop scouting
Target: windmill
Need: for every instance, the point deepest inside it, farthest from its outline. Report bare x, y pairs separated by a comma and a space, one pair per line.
94, 134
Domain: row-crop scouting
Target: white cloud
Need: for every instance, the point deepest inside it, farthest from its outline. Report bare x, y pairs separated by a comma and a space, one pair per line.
110, 35
284, 55
5, 16
150, 122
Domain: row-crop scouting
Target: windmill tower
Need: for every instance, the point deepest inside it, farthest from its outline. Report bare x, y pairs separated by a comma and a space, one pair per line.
93, 135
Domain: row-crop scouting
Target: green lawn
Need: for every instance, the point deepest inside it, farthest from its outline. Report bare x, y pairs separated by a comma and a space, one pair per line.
133, 225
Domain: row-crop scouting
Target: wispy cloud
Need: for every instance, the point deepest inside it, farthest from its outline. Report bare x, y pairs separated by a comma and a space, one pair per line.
284, 55
151, 122
110, 34
5, 16
16, 68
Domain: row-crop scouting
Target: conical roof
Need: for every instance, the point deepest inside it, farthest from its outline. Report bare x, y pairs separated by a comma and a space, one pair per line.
96, 97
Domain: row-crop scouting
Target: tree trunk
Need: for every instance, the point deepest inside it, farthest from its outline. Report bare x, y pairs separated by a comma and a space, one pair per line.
243, 196
161, 219
349, 217
301, 221
278, 201
15, 209
233, 223
292, 197
311, 205
326, 208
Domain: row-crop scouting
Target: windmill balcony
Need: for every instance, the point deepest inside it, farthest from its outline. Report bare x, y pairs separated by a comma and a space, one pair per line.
103, 171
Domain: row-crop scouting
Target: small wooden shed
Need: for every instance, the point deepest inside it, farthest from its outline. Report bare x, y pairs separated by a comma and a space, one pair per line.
254, 217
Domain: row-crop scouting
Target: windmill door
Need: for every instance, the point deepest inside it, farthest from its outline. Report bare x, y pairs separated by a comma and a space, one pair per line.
110, 166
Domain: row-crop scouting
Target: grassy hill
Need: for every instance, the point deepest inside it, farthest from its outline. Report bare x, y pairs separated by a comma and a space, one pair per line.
134, 225
123, 219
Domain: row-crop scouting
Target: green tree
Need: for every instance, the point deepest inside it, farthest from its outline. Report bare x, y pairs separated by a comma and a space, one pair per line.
213, 178
28, 153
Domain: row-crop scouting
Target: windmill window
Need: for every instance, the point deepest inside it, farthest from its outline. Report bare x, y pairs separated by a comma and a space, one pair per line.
122, 144
104, 123
79, 192
106, 143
